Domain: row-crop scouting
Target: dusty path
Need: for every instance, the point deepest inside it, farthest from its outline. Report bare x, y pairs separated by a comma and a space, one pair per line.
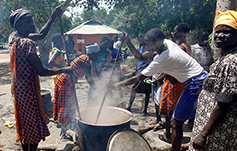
8, 135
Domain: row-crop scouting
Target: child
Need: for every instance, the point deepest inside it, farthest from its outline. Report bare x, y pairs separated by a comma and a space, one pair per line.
57, 55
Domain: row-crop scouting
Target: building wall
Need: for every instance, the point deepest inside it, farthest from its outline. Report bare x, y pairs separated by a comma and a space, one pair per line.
82, 40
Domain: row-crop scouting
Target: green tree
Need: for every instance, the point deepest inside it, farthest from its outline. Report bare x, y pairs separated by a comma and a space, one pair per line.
99, 15
164, 14
134, 16
40, 11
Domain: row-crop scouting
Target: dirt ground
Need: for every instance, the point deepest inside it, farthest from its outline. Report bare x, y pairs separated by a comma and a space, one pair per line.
8, 135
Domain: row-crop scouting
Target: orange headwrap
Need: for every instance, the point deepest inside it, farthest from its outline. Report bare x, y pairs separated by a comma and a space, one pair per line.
228, 18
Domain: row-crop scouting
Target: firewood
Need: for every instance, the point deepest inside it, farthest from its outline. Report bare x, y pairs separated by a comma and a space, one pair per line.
47, 147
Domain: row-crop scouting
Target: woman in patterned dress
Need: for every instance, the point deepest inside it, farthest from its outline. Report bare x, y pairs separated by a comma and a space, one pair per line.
64, 100
25, 68
215, 121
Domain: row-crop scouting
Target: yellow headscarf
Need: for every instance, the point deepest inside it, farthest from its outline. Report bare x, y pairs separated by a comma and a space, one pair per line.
228, 18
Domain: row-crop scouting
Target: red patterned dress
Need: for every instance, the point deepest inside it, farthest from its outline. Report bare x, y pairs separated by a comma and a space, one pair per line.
29, 115
64, 100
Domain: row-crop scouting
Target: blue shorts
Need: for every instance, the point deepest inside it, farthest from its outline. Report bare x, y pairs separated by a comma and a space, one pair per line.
186, 106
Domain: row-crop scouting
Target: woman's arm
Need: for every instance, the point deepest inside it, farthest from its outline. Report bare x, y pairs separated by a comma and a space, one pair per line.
40, 70
134, 79
107, 61
87, 71
45, 29
217, 116
137, 54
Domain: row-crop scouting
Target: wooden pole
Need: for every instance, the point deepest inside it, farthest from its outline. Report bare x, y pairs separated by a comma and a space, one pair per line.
68, 62
102, 103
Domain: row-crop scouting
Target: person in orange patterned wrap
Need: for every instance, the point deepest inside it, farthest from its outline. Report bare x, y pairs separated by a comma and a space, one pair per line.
65, 110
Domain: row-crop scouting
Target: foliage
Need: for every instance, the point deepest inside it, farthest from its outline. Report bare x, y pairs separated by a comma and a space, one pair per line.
40, 11
99, 15
133, 16
127, 22
3, 43
137, 17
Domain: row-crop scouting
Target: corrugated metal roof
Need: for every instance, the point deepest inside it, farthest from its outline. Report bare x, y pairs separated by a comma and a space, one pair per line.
93, 27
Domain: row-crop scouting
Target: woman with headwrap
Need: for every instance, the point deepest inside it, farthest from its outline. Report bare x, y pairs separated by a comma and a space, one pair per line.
25, 68
216, 114
16, 15
64, 101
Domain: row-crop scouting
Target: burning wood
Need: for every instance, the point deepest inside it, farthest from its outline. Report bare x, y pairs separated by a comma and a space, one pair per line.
146, 129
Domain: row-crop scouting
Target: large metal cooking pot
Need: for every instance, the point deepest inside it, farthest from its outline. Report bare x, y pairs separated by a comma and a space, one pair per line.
96, 136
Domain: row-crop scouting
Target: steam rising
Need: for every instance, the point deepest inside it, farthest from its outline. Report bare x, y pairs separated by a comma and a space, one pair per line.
112, 97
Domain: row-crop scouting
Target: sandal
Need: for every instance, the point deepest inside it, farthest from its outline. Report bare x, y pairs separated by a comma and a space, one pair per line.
164, 138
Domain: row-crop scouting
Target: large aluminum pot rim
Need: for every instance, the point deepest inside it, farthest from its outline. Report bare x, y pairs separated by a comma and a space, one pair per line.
117, 108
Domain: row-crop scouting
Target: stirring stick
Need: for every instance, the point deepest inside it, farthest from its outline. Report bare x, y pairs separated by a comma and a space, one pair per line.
68, 62
95, 68
102, 103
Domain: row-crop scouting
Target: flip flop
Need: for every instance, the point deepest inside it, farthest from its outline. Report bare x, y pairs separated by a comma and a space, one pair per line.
163, 138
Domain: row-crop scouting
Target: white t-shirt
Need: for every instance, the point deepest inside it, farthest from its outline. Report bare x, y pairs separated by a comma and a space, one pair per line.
175, 62
117, 44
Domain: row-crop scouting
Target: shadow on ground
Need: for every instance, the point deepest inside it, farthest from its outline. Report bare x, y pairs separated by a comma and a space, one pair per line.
5, 73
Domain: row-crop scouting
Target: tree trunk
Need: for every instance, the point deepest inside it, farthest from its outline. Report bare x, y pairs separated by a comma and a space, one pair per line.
222, 5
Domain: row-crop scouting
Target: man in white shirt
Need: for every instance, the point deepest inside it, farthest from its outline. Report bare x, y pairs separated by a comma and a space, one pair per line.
172, 60
117, 43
